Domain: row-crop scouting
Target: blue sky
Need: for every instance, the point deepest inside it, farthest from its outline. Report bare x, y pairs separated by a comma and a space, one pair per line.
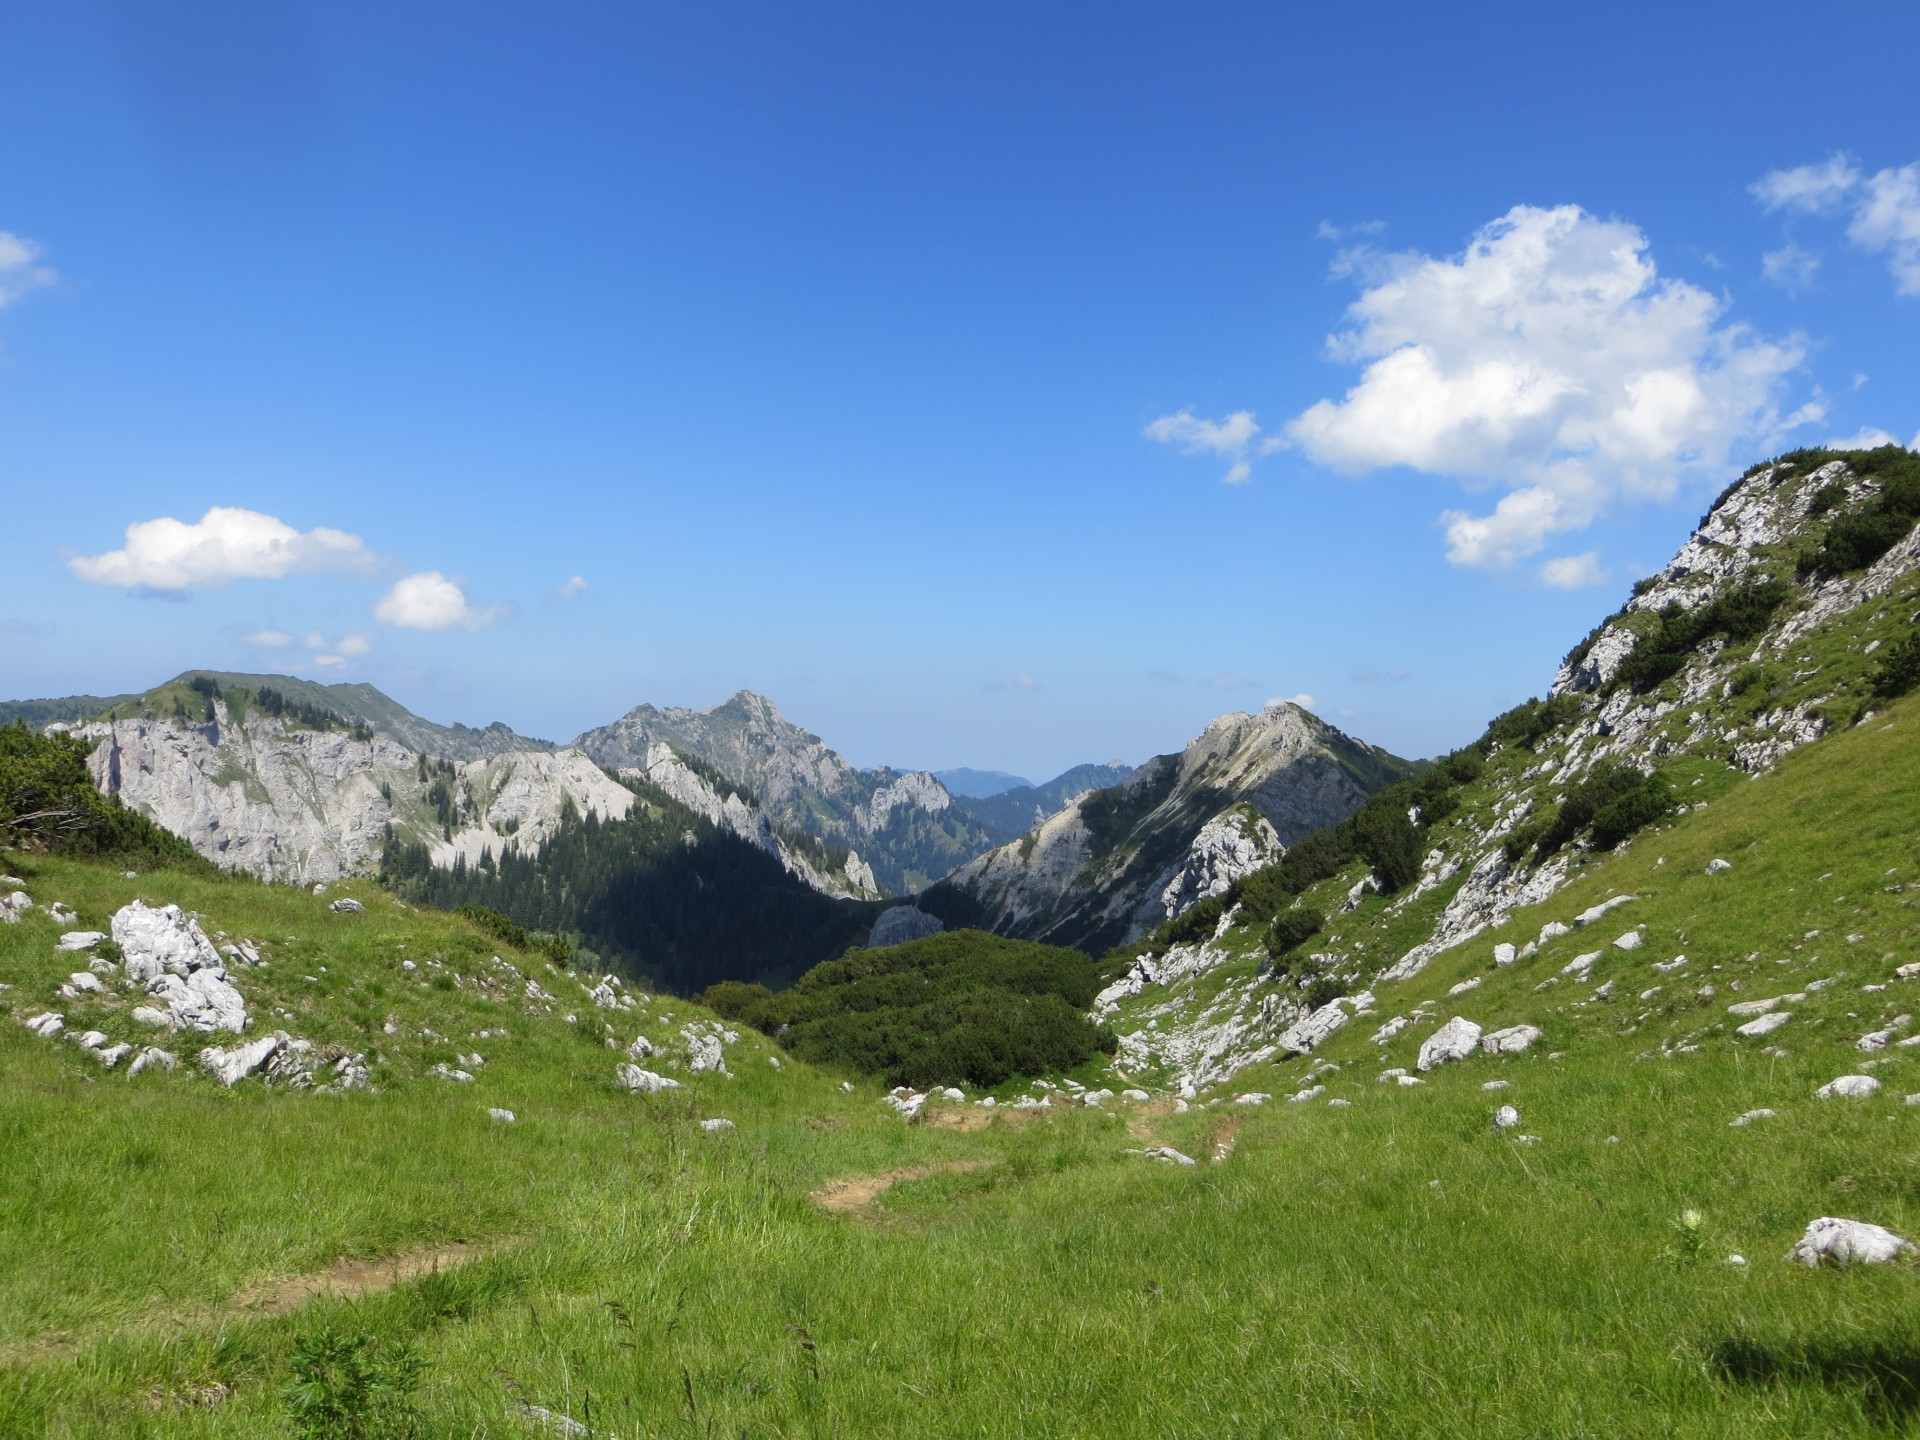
887, 359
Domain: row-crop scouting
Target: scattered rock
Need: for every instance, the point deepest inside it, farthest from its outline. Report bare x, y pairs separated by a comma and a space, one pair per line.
1755, 1007
1409, 1080
448, 1072
1300, 1097
14, 905
1719, 867
1394, 1074
774, 1061
644, 1082
1096, 1097
1604, 908
232, 1066
346, 907
81, 982
1510, 1041
1134, 1095
714, 1127
111, 1055
1506, 1118
1628, 941
1504, 955
1464, 986
1308, 1032
1852, 1087
1498, 1085
1750, 1117
1168, 1154
1454, 1040
46, 1025
1340, 1104
1580, 965
1831, 1241
1876, 1040
505, 1117
80, 939
152, 1058
1766, 1024
1252, 1097
1553, 930
1392, 1028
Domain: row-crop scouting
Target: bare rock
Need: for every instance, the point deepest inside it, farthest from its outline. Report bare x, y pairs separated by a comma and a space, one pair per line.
1454, 1040
1852, 1087
644, 1082
1832, 1241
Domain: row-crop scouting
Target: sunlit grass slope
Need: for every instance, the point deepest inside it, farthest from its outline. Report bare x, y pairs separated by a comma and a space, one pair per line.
1387, 1267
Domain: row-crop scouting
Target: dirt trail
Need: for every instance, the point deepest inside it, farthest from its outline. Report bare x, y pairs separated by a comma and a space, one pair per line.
857, 1191
344, 1279
350, 1279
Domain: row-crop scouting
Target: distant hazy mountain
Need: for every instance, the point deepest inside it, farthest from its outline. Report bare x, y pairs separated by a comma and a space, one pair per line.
978, 784
68, 710
1014, 811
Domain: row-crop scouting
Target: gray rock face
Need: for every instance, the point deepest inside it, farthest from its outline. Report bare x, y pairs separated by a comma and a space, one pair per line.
901, 924
1069, 882
303, 806
1233, 844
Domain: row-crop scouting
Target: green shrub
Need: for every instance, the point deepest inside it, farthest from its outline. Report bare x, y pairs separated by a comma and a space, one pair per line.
733, 999
1613, 801
1855, 540
1741, 613
1293, 928
1899, 669
344, 1388
960, 1007
48, 802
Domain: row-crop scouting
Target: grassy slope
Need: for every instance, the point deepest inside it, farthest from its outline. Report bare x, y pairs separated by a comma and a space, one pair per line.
1318, 1283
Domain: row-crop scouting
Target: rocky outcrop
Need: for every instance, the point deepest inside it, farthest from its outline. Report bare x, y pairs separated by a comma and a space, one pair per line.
1116, 862
302, 805
1233, 844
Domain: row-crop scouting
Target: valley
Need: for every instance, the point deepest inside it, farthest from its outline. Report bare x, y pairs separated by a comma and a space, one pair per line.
1485, 1094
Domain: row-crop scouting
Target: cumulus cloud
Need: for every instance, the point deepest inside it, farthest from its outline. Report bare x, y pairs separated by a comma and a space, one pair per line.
430, 601
330, 660
569, 589
1809, 188
1790, 267
1230, 439
18, 272
1888, 221
268, 639
169, 556
1885, 208
1551, 360
1573, 572
1868, 437
354, 645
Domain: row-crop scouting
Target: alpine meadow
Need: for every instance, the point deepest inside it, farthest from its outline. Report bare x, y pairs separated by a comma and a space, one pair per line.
735, 721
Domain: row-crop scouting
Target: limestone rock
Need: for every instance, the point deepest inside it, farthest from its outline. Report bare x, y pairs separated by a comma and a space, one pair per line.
152, 1058
505, 1117
1307, 1033
714, 1127
1454, 1040
80, 939
1511, 1041
1604, 908
1504, 955
1719, 867
1832, 1241
1852, 1087
13, 905
346, 907
1168, 1154
644, 1082
46, 1025
1750, 1116
231, 1066
161, 941
1765, 1025
1506, 1118
444, 1071
1230, 846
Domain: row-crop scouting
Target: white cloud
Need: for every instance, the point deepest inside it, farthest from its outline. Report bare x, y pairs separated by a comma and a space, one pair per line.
1303, 700
1812, 188
569, 589
1573, 572
354, 645
1229, 438
267, 639
316, 641
1790, 267
1552, 361
18, 273
226, 543
1888, 220
330, 660
1867, 437
430, 601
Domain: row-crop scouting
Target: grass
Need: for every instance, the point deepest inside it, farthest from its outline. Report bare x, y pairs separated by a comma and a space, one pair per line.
1393, 1268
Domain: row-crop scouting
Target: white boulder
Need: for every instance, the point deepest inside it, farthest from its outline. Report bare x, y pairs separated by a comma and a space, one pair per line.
47, 1025
1605, 907
1510, 1041
1310, 1030
1454, 1040
1765, 1025
505, 1117
1832, 1241
163, 941
644, 1082
80, 939
1852, 1087
346, 907
1506, 1118
230, 1066
152, 1058
1719, 867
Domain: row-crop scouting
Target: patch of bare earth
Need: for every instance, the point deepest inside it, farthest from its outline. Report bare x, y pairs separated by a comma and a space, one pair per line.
858, 1191
350, 1279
